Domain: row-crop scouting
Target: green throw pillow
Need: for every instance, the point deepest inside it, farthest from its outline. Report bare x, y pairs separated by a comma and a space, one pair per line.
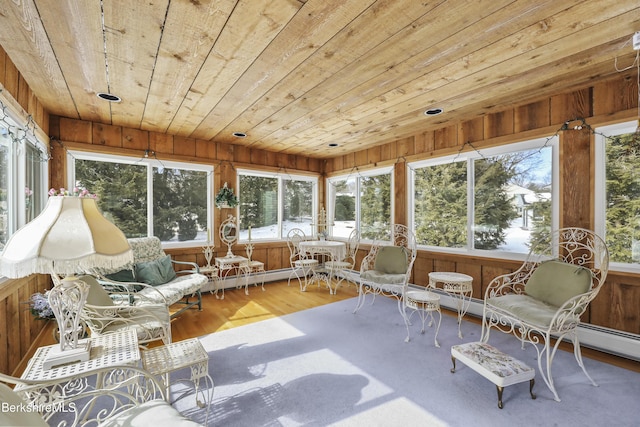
391, 260
555, 282
155, 272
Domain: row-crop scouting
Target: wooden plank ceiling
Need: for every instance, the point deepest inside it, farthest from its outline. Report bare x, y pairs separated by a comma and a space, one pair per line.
297, 75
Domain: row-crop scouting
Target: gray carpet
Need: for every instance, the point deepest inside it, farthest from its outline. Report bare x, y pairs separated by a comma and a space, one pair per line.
326, 366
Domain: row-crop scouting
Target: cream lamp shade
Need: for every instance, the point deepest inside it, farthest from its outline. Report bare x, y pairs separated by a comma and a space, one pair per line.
69, 236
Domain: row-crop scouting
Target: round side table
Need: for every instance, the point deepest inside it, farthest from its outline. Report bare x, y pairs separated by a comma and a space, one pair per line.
425, 303
457, 285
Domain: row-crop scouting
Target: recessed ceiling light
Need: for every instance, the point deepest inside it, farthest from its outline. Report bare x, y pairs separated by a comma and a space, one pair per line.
109, 97
433, 111
240, 134
333, 144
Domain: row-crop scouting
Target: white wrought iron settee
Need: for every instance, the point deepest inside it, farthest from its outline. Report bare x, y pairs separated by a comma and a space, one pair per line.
152, 274
547, 296
128, 396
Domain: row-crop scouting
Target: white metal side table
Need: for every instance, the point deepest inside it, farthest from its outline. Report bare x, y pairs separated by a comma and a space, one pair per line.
163, 360
459, 286
425, 303
225, 265
109, 350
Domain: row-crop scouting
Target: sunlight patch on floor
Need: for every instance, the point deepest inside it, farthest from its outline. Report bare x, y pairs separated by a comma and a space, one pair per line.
251, 312
399, 411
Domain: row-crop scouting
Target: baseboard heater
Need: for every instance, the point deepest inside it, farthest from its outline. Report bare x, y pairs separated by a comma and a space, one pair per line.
608, 340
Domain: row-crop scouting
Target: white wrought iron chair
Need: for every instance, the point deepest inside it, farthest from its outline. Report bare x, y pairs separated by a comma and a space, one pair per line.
321, 272
341, 269
548, 294
106, 312
251, 267
387, 268
298, 259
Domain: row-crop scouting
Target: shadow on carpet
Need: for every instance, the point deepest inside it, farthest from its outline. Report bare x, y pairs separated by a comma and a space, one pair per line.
326, 366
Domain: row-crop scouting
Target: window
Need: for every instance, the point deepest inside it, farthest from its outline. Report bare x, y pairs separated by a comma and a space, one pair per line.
23, 172
618, 192
498, 199
260, 197
362, 202
146, 197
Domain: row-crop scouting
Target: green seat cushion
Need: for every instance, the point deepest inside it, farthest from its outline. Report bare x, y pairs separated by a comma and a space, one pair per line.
157, 272
555, 282
391, 260
383, 278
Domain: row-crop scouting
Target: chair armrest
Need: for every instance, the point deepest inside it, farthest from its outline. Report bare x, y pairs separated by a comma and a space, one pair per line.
123, 387
129, 293
369, 260
510, 283
195, 268
568, 315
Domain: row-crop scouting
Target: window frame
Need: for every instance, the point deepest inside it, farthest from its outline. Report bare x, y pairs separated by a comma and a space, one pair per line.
281, 177
600, 198
469, 157
330, 200
149, 163
17, 169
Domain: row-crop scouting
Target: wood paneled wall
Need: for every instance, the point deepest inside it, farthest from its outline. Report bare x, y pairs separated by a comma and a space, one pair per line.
604, 103
616, 100
18, 328
608, 102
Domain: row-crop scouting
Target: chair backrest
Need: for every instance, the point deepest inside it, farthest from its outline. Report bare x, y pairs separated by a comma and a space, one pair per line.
294, 237
401, 237
352, 246
572, 245
146, 249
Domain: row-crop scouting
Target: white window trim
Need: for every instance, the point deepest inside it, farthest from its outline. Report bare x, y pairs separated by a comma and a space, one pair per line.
600, 185
150, 163
468, 157
360, 174
280, 176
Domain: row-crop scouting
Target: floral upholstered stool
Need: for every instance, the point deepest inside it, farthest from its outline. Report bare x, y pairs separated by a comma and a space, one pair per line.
496, 366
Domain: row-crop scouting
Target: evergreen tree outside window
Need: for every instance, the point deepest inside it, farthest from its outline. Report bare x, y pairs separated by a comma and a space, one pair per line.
440, 195
511, 198
171, 201
343, 194
618, 192
362, 201
273, 204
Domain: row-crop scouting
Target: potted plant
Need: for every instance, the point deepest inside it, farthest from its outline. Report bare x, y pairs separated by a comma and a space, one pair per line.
226, 198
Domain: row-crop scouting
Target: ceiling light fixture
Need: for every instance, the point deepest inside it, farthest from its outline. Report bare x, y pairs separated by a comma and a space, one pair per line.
333, 144
433, 111
240, 134
109, 97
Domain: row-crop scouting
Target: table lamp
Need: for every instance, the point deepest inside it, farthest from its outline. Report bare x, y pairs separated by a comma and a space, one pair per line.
70, 236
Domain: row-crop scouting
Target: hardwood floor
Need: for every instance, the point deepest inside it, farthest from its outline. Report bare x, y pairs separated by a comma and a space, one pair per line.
238, 309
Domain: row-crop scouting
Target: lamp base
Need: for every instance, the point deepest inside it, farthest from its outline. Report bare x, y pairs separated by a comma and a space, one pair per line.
57, 357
